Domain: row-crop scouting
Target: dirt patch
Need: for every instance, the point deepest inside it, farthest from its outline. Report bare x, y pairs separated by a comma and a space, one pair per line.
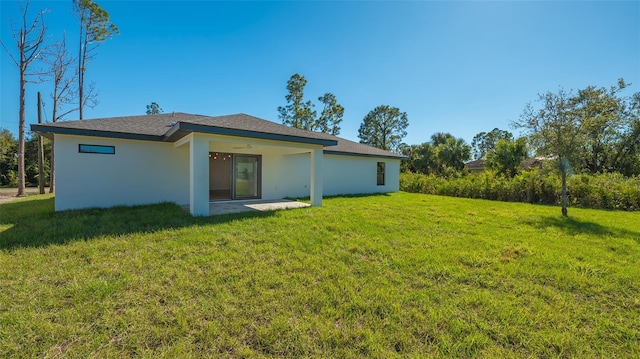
9, 194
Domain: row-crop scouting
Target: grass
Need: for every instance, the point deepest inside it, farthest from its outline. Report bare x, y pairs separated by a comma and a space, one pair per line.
401, 275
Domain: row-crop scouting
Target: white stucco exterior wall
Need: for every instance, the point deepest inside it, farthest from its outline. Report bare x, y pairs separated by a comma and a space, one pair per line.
276, 170
145, 172
295, 175
342, 174
140, 172
358, 175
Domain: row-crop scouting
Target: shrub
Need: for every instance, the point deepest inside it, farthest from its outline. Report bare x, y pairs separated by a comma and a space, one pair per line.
603, 191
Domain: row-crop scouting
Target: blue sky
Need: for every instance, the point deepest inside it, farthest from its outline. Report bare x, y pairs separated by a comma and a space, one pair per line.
458, 67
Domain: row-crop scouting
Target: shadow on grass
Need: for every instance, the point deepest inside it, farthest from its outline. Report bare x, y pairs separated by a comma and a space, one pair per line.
33, 222
361, 195
572, 226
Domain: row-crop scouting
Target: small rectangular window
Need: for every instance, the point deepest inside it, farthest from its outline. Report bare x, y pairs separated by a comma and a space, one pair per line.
380, 173
105, 150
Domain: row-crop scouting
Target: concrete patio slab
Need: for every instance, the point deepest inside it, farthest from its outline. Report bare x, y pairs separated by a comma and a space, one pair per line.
227, 207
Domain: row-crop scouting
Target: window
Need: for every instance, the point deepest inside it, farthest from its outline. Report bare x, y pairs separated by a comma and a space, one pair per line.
105, 150
380, 173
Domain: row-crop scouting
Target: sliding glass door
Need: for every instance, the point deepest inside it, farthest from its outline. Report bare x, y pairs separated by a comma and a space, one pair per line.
246, 176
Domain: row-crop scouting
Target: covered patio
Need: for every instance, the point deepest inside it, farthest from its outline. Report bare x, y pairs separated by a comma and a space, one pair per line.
271, 177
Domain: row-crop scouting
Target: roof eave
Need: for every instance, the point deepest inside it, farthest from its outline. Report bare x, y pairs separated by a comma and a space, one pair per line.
44, 129
398, 157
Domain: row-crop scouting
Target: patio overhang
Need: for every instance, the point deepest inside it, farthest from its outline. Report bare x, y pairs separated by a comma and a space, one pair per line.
200, 145
180, 130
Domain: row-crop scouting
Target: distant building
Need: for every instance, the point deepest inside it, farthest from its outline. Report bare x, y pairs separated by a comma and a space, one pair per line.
531, 163
476, 166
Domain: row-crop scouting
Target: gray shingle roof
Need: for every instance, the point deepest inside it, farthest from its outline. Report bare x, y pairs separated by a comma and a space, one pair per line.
476, 164
173, 126
355, 148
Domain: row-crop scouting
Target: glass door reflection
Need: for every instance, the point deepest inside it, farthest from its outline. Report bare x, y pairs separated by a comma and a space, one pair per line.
246, 176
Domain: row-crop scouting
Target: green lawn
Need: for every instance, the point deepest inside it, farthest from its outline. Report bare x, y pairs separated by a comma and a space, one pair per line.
401, 275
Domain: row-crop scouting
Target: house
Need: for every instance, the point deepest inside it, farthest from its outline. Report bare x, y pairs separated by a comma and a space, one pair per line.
193, 159
476, 166
536, 162
531, 163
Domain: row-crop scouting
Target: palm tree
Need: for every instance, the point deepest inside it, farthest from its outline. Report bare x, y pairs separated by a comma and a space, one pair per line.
453, 152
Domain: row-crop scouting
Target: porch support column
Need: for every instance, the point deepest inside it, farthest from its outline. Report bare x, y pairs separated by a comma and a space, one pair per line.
198, 175
316, 177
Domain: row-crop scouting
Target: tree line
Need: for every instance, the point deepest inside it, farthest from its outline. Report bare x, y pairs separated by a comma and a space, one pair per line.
9, 160
383, 127
590, 131
593, 130
55, 64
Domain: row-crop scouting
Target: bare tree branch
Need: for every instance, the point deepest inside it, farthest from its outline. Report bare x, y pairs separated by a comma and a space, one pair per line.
29, 49
9, 53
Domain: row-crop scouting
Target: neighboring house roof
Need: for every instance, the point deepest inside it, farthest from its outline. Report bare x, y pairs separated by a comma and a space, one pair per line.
170, 127
528, 164
476, 165
536, 162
